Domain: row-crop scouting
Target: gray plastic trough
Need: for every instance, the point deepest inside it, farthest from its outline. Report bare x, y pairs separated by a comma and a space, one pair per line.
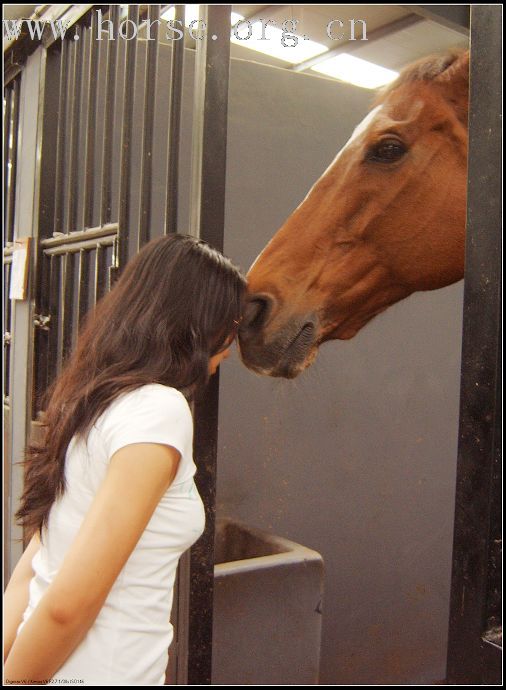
268, 595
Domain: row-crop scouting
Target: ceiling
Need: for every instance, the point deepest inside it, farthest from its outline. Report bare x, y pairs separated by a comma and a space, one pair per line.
396, 34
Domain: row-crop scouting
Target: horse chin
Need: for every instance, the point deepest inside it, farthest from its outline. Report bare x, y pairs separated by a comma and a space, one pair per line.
285, 357
288, 369
285, 368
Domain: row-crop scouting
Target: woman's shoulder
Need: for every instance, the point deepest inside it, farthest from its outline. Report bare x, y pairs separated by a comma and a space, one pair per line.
160, 390
149, 399
154, 391
151, 413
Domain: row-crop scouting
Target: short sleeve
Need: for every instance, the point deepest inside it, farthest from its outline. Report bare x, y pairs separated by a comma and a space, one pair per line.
151, 414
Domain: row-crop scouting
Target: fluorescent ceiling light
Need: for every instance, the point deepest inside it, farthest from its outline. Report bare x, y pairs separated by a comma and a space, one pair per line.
272, 45
356, 71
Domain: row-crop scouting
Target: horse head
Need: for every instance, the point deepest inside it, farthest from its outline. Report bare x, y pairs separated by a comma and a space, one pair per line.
387, 218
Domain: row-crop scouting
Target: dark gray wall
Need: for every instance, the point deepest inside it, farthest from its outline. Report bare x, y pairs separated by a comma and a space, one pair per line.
356, 458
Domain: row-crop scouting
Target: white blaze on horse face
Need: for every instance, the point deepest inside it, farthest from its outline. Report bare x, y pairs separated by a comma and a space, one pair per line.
359, 129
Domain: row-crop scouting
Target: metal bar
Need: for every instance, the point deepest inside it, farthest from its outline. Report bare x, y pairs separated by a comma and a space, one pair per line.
75, 119
54, 311
62, 240
43, 205
7, 326
11, 70
473, 657
91, 123
42, 336
176, 89
61, 139
208, 194
7, 138
49, 145
76, 247
100, 272
83, 278
126, 144
110, 98
152, 29
66, 304
72, 15
351, 46
12, 155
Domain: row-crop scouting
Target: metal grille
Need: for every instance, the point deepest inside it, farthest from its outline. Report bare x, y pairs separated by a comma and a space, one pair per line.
86, 232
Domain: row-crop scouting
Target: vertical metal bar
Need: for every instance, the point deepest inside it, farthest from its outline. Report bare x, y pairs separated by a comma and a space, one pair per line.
148, 125
66, 295
7, 131
49, 143
61, 139
42, 335
100, 272
12, 155
7, 326
110, 98
75, 120
208, 196
54, 311
91, 122
126, 144
44, 205
474, 653
176, 90
82, 289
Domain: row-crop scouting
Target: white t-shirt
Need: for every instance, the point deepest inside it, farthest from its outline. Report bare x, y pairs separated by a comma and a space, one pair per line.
129, 640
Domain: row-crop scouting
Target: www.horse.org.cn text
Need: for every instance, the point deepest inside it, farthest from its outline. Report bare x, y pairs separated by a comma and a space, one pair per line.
288, 32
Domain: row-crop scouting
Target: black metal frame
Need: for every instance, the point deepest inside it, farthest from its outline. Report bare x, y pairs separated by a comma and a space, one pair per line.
475, 632
208, 218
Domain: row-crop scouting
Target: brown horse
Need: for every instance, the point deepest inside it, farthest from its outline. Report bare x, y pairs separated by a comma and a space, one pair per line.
387, 218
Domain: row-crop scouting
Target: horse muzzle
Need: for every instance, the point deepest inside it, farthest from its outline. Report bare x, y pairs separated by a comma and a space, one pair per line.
273, 346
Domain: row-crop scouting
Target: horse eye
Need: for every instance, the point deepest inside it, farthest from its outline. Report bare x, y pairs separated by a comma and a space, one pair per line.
387, 151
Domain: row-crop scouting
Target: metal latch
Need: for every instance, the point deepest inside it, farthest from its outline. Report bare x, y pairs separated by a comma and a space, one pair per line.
41, 321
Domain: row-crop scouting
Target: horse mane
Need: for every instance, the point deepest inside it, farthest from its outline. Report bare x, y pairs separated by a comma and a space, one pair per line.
426, 69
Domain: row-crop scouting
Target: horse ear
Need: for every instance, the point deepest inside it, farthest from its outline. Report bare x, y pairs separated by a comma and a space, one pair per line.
454, 84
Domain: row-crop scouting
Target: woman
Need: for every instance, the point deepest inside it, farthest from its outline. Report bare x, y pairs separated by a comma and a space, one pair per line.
109, 497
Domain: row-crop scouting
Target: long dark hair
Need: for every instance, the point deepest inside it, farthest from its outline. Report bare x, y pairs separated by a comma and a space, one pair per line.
174, 306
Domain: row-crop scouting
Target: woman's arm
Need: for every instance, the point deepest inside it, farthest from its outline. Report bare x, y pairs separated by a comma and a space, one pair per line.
137, 477
16, 595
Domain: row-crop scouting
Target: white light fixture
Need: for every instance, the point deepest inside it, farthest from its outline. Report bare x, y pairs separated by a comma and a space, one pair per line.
356, 71
272, 44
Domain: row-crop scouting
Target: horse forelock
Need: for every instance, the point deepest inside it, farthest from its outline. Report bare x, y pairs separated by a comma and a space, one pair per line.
426, 69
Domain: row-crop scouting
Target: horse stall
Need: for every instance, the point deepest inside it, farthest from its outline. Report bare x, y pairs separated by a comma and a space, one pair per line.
330, 498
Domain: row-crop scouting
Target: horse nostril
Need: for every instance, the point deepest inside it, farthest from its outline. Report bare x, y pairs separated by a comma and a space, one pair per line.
256, 312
